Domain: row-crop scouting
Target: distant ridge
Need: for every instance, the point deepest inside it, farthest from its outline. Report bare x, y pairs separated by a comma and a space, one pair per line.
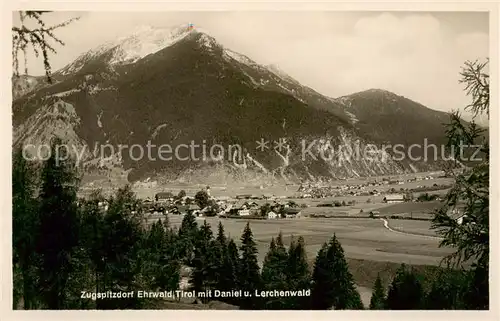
179, 85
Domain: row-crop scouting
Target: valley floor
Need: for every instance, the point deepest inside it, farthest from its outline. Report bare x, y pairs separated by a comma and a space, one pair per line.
364, 239
370, 247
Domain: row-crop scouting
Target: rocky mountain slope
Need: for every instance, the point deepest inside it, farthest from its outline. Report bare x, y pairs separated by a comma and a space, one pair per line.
180, 87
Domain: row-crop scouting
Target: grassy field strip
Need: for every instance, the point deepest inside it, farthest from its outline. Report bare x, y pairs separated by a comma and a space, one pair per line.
386, 225
367, 243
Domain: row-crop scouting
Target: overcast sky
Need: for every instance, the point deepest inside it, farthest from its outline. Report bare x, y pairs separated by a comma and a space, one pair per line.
417, 55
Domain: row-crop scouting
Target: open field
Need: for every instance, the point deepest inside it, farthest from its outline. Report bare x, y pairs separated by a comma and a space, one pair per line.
365, 239
412, 227
411, 209
370, 248
343, 210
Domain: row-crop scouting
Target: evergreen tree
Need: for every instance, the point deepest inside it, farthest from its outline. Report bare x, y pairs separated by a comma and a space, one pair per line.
477, 295
333, 285
163, 266
220, 250
221, 236
406, 291
447, 291
205, 262
228, 280
377, 301
81, 277
355, 300
274, 275
188, 237
297, 274
121, 249
322, 291
87, 260
58, 227
92, 236
248, 269
25, 226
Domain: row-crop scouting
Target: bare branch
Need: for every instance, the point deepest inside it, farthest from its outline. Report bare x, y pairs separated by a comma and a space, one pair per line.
38, 38
477, 86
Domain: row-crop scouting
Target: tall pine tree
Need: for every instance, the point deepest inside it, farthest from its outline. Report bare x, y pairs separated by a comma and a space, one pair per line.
188, 237
58, 235
447, 290
298, 274
160, 261
333, 285
406, 291
92, 234
220, 250
322, 291
377, 301
274, 273
248, 270
205, 262
121, 249
221, 236
25, 226
228, 274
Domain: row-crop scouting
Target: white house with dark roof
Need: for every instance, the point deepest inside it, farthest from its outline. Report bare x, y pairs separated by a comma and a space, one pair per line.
272, 215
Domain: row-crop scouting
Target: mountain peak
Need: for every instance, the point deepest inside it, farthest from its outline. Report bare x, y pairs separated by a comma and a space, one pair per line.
372, 93
146, 40
140, 42
378, 91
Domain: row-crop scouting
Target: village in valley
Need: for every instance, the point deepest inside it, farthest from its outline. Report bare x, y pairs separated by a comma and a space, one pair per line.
308, 200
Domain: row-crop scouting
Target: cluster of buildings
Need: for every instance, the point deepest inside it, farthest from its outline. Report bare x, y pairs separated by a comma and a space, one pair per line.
311, 191
244, 205
374, 187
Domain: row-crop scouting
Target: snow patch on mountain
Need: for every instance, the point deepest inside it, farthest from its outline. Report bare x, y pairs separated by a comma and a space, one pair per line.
292, 91
207, 41
254, 82
345, 101
95, 89
143, 41
353, 119
66, 93
239, 57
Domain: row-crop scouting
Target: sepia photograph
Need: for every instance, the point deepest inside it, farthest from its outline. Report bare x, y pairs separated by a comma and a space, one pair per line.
250, 160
